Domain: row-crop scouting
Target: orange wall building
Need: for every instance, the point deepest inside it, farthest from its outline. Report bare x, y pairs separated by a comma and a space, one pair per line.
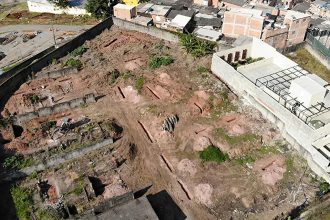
243, 22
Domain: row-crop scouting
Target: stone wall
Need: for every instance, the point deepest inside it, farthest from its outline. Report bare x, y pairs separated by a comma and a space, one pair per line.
57, 73
60, 107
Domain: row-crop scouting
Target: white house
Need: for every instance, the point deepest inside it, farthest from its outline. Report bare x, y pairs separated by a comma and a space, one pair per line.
44, 6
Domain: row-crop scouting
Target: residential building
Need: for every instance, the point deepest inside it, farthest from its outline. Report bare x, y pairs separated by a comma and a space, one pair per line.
208, 34
125, 12
180, 24
76, 7
159, 13
229, 4
243, 22
320, 8
297, 25
145, 21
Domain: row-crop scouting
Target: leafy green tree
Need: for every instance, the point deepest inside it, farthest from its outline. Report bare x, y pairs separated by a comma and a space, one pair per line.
98, 8
60, 3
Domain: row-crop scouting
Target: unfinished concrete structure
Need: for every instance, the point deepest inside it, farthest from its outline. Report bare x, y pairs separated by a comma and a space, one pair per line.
295, 100
125, 12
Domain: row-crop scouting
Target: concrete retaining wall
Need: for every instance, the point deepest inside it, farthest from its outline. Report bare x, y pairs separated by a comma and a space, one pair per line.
323, 59
153, 31
60, 107
295, 131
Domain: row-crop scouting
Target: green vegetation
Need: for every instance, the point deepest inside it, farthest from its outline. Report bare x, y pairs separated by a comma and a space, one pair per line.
46, 126
4, 122
114, 76
234, 140
139, 83
34, 175
310, 63
17, 162
212, 153
78, 51
324, 188
245, 159
249, 60
74, 63
60, 3
127, 75
203, 69
195, 46
158, 61
47, 214
79, 188
23, 202
54, 61
9, 67
34, 99
99, 9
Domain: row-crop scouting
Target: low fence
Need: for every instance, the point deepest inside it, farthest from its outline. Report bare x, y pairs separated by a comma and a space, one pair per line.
317, 45
60, 107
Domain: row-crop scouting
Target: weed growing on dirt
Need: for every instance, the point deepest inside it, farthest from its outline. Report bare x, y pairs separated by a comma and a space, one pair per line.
79, 188
212, 153
17, 162
47, 214
234, 140
34, 99
23, 201
78, 51
139, 83
203, 69
127, 75
158, 61
225, 106
195, 46
74, 63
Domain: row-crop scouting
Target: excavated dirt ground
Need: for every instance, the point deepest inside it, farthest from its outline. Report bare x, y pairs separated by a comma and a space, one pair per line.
273, 182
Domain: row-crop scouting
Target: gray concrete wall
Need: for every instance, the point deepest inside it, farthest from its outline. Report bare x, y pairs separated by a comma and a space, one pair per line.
60, 107
295, 131
153, 31
323, 59
57, 73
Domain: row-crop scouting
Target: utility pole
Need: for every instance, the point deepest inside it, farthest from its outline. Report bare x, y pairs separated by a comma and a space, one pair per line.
54, 36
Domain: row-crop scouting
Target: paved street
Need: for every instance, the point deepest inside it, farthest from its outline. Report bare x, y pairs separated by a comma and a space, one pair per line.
17, 50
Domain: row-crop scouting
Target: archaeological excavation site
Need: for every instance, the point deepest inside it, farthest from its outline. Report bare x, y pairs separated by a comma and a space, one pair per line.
132, 125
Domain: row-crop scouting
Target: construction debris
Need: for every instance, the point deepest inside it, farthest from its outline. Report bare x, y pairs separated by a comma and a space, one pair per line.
169, 123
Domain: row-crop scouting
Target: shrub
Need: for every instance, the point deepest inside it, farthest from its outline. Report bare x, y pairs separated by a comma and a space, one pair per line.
158, 61
234, 140
78, 51
23, 201
34, 99
324, 188
47, 214
212, 153
74, 63
139, 83
46, 126
195, 46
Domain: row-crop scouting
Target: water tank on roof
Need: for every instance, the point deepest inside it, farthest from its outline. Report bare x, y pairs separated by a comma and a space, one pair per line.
308, 90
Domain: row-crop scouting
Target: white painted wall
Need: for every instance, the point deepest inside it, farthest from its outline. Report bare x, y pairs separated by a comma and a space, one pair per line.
42, 7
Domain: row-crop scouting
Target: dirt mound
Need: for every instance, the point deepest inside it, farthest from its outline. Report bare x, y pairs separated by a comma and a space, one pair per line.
134, 64
203, 194
201, 142
131, 94
271, 169
187, 166
165, 78
236, 129
114, 190
17, 145
199, 103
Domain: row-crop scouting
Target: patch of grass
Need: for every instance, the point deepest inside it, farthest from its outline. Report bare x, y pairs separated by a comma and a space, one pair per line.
307, 61
212, 153
127, 75
78, 51
79, 188
324, 188
158, 61
23, 202
245, 159
114, 76
17, 162
203, 69
234, 140
34, 99
9, 67
74, 63
33, 175
47, 214
225, 106
139, 83
268, 149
